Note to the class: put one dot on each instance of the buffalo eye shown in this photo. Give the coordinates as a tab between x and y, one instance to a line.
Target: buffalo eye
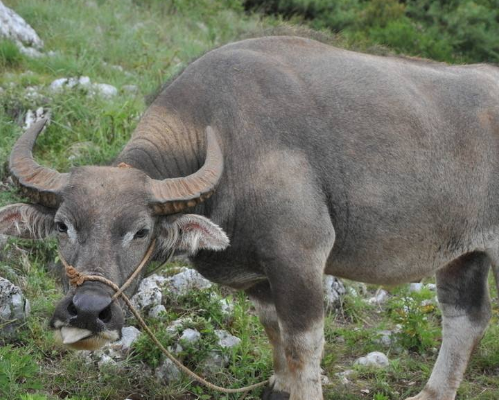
61	227
141	234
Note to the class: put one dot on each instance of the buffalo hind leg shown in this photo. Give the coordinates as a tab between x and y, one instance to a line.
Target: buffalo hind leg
464	300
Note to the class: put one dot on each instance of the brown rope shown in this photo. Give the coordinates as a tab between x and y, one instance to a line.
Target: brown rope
77	279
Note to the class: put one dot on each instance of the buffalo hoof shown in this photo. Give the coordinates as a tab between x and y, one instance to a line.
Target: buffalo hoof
270	394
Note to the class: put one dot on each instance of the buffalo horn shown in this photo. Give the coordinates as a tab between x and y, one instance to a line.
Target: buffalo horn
173	195
41	184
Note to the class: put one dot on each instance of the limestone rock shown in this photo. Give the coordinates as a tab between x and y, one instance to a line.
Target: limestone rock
226	340
190	336
156	311
380	297
34	116
214	362
15	28
374	359
103	89
334	290
148	295
187	280
14	307
167	371
415	287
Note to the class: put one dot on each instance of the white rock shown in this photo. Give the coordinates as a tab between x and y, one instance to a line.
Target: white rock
34	116
13	305
227	307
156	311
129	334
15	28
167	371
214	361
178	324
384	338
344	376
31	93
357	289
334	290
153	280
30	52
226	340
103	89
431	286
68	83
190	336
105	360
415	287
184	282
374	359
380	297
148	295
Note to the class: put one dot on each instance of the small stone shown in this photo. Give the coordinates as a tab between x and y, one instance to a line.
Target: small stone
178	324
384	338
380	297
68	83
431	286
344	376
156	311
374	359
32	93
153	280
215	361
105	360
148	295
129	335
190	336
14	307
226	340
168	371
182	283
104	90
227	307
415	287
334	290
34	116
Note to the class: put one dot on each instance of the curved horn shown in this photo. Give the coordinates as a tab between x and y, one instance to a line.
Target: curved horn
41	184
171	196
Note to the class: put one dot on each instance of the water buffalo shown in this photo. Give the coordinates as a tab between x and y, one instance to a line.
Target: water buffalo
318	160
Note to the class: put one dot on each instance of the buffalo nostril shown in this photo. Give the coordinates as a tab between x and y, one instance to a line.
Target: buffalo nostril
72	309
105	315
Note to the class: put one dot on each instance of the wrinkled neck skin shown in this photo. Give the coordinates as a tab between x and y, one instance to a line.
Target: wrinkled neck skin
163	146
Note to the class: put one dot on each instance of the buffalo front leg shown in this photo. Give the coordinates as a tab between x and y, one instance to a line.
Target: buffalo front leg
280	383
298	300
465	304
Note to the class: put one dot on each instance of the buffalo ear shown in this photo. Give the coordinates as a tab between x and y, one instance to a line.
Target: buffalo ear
190	232
26	221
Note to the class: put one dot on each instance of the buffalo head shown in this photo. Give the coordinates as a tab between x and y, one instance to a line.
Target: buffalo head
105	218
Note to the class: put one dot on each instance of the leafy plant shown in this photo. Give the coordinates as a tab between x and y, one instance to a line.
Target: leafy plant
18	372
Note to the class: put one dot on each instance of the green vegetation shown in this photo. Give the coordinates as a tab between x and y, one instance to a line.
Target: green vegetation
453	31
144	43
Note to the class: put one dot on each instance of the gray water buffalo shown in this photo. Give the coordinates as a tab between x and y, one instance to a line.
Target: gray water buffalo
318	161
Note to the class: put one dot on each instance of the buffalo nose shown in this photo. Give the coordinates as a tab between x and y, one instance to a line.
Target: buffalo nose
90	309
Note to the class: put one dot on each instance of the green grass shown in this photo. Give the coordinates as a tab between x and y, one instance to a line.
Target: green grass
144	43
